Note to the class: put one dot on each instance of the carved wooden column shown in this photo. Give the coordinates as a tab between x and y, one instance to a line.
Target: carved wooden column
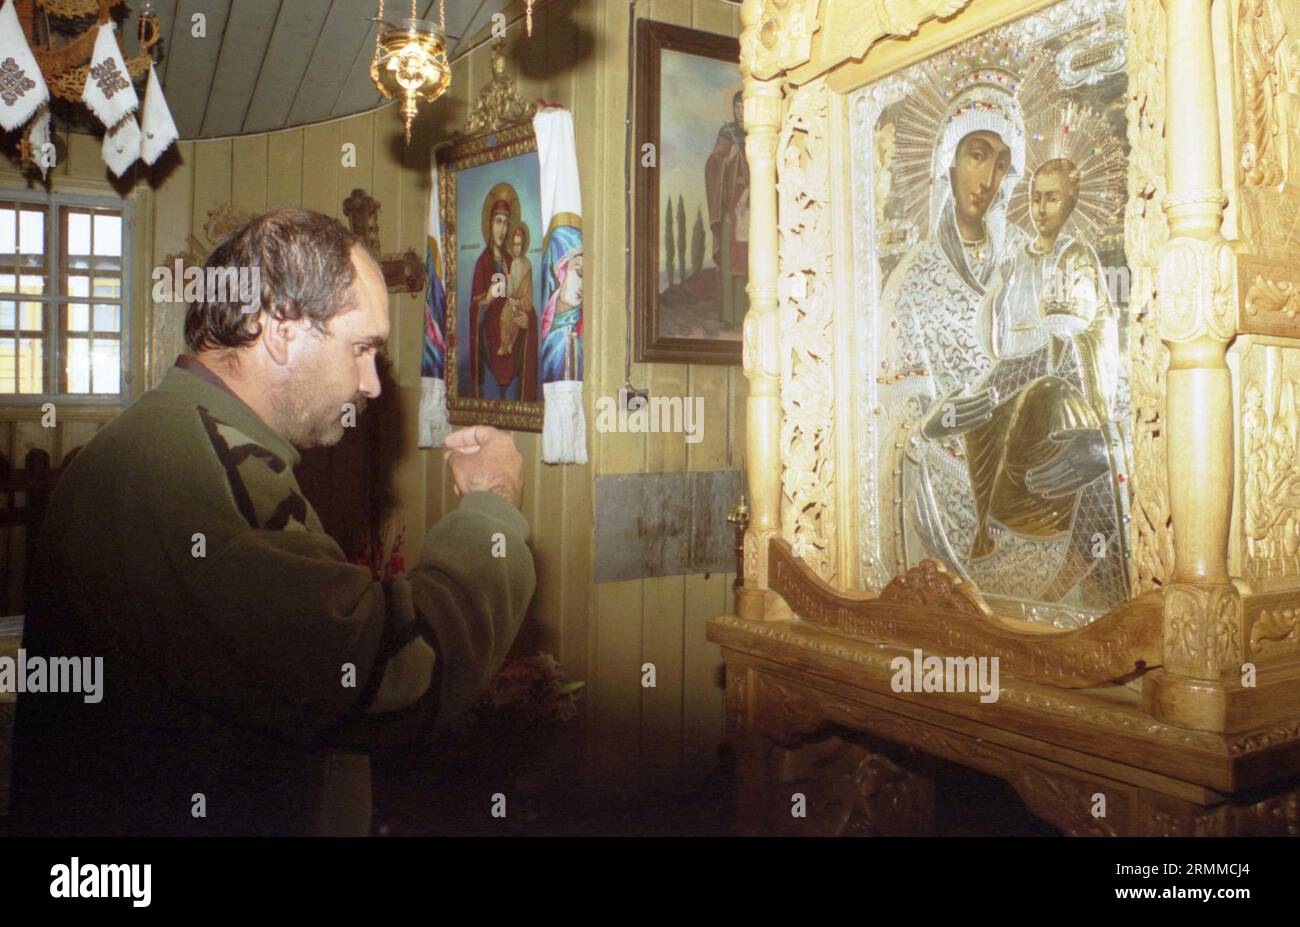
761	333
1203	638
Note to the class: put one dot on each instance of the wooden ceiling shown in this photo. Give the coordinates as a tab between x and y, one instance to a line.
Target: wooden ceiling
274	64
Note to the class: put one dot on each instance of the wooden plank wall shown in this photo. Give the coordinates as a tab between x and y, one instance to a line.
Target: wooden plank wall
638	739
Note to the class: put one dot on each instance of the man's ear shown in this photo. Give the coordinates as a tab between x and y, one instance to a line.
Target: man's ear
278	336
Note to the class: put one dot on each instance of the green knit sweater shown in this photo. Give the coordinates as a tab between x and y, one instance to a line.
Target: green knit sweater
247	665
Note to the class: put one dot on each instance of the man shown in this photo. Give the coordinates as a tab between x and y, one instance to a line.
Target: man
247	666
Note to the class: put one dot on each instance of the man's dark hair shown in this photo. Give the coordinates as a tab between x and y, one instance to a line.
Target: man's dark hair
304	266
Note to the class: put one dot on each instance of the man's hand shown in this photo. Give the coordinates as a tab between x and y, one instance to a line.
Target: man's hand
483	457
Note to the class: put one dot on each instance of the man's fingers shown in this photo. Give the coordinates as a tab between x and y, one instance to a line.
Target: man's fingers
461	437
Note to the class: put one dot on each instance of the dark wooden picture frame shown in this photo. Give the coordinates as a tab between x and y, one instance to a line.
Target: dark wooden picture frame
652	39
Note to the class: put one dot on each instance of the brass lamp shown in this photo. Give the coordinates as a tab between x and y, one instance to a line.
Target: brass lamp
411	61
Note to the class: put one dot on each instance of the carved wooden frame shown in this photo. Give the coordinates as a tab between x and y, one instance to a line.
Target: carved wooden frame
1192	625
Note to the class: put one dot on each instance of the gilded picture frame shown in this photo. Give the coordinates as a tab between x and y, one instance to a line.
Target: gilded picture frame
476	175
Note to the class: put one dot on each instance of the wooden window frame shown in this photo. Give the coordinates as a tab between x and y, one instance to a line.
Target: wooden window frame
57	299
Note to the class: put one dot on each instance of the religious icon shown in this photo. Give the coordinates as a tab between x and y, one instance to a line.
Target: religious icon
692	214
562	314
726	180
491	206
503	326
999	428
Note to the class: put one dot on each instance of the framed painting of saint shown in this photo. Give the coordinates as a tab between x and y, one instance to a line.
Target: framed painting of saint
491	216
692	197
994	314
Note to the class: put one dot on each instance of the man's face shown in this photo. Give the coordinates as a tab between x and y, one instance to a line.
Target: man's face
517	245
338	368
738	111
500	225
983	159
1051	200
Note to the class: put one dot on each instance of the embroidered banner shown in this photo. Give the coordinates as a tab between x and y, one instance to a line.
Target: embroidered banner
564	427
22	89
434	425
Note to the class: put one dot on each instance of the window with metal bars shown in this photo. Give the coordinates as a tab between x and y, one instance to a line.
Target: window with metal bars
64	306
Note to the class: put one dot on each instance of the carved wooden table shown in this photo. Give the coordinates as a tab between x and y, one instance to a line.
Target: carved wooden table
812	712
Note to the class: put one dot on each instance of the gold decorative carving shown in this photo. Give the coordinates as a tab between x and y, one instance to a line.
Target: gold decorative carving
1067	801
851	27
756	564
1058	710
1260	33
499	103
806	328
1271	478
1117	645
759	347
929	585
852	787
1186	821
1145	232
222	221
1279	624
1202	629
784	37
788	712
1268	124
1264	739
1196	282
1270	296
1272	626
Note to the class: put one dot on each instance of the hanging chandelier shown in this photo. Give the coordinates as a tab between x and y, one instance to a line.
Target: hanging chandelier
411	62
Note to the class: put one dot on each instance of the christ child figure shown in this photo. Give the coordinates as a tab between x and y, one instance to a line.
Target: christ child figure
519	284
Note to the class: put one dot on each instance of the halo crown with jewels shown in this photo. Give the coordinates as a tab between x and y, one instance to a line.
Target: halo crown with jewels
976	89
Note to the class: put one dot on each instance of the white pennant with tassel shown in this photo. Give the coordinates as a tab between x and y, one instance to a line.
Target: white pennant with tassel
155	121
109	93
122	146
22	88
564	425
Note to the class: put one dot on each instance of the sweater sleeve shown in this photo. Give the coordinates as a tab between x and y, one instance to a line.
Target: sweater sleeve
308	648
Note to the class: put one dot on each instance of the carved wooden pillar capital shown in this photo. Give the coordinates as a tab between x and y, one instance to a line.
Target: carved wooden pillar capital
1197	283
1203	634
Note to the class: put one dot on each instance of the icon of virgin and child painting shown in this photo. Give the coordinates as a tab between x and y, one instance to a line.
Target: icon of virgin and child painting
1000	420
503	347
